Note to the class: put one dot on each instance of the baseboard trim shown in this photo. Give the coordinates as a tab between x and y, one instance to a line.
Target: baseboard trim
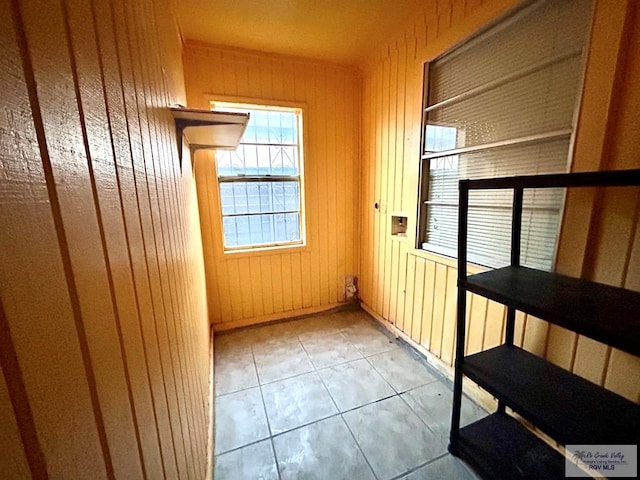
284	316
474	392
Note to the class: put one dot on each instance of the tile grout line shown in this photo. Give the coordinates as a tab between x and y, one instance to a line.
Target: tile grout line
279	434
375	475
343	331
344	421
397	393
379	373
415	469
266	415
315	367
416	413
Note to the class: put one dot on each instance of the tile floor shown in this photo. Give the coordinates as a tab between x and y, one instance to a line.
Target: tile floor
330	397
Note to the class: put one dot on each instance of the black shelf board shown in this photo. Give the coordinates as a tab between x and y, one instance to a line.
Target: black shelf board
608	314
604	178
499	447
566	407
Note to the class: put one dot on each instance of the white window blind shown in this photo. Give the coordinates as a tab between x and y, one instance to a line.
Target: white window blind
502	105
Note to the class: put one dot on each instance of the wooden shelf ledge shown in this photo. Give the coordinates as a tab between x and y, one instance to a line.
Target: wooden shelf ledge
208	129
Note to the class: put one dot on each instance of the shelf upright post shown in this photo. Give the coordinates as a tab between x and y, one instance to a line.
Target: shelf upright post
516	231
463	211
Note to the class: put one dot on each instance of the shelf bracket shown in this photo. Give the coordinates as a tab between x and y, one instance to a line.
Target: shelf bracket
208	129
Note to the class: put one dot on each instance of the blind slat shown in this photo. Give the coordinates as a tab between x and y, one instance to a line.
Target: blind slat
533	103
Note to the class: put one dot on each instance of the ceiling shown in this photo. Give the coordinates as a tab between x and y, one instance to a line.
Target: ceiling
334	30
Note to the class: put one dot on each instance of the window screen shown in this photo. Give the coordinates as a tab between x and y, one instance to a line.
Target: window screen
260	182
501	105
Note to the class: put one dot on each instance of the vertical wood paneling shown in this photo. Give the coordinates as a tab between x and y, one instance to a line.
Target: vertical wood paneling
450	307
296	280
265	269
101	130
393	288
259	286
521	322
213	298
102	272
133	186
322	94
418	299
439	298
402	288
476	321
86	270
36	302
387	194
367	179
427	307
494	325
131	173
535	336
13	462
277	288
155	246
287	284
383	162
376	159
331	174
255	279
246	292
409	314
604	248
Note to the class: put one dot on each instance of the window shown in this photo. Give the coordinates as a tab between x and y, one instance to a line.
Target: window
502	104
261	194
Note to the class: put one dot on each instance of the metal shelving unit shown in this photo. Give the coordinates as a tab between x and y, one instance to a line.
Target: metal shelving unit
568	408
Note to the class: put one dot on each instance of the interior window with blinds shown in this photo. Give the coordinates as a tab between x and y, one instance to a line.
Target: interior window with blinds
260	186
500	105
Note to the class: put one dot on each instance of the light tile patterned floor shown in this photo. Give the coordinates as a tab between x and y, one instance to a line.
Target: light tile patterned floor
330	397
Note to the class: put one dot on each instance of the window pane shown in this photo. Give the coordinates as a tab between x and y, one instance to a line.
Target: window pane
262	212
259	197
489	240
262	229
271	127
258	160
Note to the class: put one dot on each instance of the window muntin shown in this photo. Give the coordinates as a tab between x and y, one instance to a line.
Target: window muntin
260	183
502	105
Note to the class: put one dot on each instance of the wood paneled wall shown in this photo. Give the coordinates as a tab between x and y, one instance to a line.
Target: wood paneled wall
246	288
104	342
415	291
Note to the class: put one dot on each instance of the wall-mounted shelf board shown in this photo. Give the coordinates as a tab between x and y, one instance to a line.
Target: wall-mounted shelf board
208	129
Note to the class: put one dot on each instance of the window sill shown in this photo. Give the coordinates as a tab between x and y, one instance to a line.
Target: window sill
442	259
264	251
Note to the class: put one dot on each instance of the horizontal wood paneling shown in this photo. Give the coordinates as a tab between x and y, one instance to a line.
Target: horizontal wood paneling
421	302
104	324
259	286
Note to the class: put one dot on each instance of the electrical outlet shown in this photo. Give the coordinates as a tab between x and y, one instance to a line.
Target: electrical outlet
350	287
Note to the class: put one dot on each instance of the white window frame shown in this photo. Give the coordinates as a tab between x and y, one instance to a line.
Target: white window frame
222	105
